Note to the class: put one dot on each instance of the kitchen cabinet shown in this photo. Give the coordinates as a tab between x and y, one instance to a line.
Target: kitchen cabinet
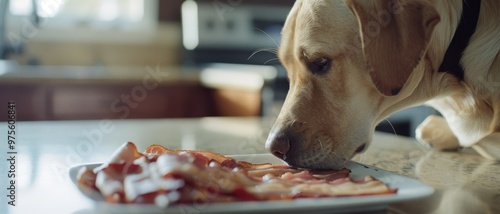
82	93
31	101
39	101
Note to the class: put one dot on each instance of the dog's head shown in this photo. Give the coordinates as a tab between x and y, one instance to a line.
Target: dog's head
349	64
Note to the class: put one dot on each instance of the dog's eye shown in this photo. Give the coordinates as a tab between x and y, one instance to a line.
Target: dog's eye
319	66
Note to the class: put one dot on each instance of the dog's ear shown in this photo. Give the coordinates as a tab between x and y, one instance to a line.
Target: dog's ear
394	35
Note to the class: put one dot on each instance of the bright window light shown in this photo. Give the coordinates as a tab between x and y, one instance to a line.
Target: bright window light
20	7
90	12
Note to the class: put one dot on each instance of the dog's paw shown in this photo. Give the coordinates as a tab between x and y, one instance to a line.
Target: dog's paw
435	132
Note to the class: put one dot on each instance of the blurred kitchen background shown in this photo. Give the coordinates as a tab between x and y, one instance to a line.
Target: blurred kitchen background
121	59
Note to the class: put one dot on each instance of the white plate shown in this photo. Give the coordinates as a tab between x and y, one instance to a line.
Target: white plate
407	189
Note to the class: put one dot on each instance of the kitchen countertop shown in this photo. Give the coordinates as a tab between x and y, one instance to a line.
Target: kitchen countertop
464	182
11	73
216	75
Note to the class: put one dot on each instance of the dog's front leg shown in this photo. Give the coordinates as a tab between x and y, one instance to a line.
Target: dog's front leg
489	146
436	132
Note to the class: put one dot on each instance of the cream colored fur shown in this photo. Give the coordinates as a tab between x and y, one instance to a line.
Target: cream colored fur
331	115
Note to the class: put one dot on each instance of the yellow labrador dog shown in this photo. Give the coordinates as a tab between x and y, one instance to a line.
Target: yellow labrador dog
352	63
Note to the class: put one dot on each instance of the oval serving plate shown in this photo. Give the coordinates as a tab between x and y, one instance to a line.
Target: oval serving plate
408	189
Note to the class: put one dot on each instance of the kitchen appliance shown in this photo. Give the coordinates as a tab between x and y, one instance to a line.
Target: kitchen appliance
230	33
236	33
237	39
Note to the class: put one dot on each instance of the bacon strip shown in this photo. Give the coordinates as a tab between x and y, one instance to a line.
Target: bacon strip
165	177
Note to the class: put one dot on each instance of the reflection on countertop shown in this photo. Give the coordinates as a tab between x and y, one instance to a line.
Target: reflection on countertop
464	181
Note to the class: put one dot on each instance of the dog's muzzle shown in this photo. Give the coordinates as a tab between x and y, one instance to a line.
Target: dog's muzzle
297	151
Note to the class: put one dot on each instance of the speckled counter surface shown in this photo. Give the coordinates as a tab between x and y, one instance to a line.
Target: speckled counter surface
464	182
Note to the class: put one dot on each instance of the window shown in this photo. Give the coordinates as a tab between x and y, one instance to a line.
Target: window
63	16
91	12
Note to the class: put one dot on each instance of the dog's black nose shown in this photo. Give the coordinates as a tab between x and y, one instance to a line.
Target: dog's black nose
361	148
280	147
278	144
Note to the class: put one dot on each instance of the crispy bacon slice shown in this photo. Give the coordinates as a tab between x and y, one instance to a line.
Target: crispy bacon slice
207	157
165	177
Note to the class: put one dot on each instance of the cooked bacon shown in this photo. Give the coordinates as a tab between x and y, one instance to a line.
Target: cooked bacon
166	177
127	152
86	180
158	150
207	157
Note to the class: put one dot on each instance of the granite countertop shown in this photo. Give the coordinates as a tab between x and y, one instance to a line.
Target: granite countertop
464	182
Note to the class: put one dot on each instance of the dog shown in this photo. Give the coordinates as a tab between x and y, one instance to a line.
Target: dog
352	63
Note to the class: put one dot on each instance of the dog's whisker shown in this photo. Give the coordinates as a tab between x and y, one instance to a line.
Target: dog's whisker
269	50
270	37
270	60
320	144
392	126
